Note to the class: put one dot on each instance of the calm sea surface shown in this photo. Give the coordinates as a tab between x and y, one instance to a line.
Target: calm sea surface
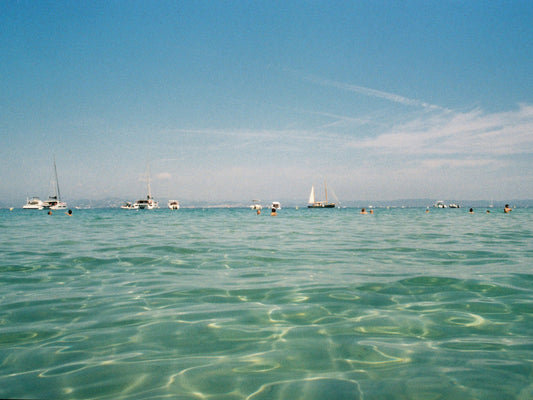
226	304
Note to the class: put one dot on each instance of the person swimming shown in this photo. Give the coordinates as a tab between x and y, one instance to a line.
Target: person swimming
363	211
507	209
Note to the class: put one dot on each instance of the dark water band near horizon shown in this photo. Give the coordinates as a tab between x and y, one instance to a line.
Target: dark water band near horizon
227	304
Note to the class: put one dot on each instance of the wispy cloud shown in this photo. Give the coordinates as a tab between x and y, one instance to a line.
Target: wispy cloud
442	131
339	120
473	133
164	176
237	138
396	98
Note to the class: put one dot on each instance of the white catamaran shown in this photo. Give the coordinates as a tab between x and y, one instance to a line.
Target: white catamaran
54	200
149	203
319	204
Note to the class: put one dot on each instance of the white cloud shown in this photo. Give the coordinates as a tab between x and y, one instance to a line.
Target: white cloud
473	133
445	163
440	131
164	176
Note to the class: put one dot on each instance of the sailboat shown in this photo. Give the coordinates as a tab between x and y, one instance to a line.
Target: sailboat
54	200
312	203
149	203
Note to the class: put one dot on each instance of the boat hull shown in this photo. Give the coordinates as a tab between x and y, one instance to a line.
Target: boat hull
55	205
321	206
147	205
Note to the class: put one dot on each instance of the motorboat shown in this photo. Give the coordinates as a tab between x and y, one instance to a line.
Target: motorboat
129	206
174	204
33	204
276	205
255	205
440	204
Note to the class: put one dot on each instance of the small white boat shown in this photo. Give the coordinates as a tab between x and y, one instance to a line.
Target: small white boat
33	204
129	206
440	204
255	205
174	204
454	205
54	201
276	205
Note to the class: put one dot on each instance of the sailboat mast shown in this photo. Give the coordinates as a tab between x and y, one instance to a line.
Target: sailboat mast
57	181
148	173
326	190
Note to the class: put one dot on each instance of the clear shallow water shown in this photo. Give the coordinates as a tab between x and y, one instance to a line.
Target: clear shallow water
225	304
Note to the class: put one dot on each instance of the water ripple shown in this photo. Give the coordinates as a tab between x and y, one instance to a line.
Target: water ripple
225	304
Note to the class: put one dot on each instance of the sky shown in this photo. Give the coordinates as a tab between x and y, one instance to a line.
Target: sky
233	101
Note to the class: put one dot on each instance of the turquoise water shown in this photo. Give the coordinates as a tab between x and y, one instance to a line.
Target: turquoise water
225	304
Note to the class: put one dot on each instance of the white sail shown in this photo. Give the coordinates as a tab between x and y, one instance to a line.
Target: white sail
312	195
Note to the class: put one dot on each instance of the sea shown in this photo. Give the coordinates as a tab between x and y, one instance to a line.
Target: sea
222	303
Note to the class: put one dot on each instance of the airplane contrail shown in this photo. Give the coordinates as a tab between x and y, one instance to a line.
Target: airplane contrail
372	93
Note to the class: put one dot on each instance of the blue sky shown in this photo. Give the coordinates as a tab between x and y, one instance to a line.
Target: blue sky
233	101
